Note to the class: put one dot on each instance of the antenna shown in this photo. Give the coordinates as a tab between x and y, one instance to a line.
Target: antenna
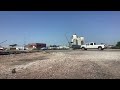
24	40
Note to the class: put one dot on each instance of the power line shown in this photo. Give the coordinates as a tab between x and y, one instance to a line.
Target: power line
3	41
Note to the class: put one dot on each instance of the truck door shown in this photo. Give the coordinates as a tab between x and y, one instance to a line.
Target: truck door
91	45
95	46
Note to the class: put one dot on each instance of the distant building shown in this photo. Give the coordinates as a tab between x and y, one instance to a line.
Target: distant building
77	40
32	46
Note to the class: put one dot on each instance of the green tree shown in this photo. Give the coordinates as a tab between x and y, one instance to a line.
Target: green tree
118	44
13	45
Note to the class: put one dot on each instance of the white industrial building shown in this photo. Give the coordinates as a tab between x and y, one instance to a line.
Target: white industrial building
77	40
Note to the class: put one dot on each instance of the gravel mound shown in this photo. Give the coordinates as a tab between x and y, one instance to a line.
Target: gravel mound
61	65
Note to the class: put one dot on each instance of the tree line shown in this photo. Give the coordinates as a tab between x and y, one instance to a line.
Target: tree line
117	46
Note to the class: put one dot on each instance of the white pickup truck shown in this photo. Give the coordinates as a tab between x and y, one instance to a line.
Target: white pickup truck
93	45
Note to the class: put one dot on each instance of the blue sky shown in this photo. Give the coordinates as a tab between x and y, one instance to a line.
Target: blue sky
51	26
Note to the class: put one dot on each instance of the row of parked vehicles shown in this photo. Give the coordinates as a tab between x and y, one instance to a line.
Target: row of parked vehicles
55	47
90	45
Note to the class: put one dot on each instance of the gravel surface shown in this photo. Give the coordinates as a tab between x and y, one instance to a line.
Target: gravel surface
67	64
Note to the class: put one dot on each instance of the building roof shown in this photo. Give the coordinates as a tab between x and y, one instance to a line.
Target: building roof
35	43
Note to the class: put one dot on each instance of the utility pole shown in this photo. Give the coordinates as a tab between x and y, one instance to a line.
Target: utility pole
68	41
24	42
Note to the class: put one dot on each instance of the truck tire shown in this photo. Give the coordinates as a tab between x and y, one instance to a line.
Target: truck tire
83	48
100	48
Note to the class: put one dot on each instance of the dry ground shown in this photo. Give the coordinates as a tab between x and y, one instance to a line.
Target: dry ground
68	64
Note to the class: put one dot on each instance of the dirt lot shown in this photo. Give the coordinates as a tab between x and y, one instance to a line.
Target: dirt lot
67	64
